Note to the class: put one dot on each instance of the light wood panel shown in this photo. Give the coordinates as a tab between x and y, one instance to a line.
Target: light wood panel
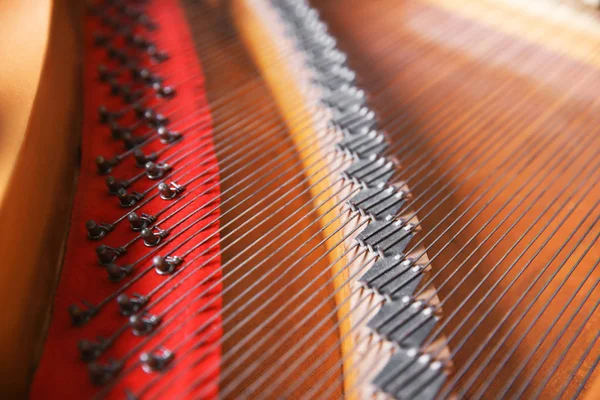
39	79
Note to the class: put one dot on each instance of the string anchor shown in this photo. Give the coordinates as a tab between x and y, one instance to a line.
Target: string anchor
105	74
166	265
166	136
141	159
131	305
114	185
138	41
170	191
143	325
139	222
80	316
107	254
97	231
159	56
130	141
152	239
156	170
90	350
100	39
140	110
145	21
154	119
104	166
149	78
101	374
129	96
106	116
166	92
117	131
127	199
156	361
116	273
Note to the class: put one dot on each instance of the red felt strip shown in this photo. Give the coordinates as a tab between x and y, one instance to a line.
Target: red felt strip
61	374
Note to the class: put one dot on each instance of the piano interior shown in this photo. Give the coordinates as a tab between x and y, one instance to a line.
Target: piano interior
300	199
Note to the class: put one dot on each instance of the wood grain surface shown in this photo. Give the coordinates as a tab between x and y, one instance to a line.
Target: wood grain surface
39	81
463	75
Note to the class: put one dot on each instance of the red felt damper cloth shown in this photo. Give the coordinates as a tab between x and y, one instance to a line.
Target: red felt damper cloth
187	302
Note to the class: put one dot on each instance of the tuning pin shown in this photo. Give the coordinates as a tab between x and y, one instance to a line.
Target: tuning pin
80	316
107	254
141	42
122	57
105	116
149	78
148	114
90	350
129	38
166	92
106	75
141	159
152	362
155	120
130	141
140	110
118	132
167	136
143	324
115	87
127	199
131	12
101	374
152	239
169	192
114	185
116	273
158	121
156	170
166	265
104	166
131	305
130	96
157	55
134	71
97	231
114	22
112	52
100	39
145	20
138	222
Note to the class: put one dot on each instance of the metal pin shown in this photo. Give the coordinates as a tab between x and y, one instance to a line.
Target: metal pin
80	316
143	324
104	166
167	136
107	254
141	159
101	374
169	192
116	273
139	222
156	170
127	199
131	305
91	350
153	362
166	265
114	185
97	231
152	239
